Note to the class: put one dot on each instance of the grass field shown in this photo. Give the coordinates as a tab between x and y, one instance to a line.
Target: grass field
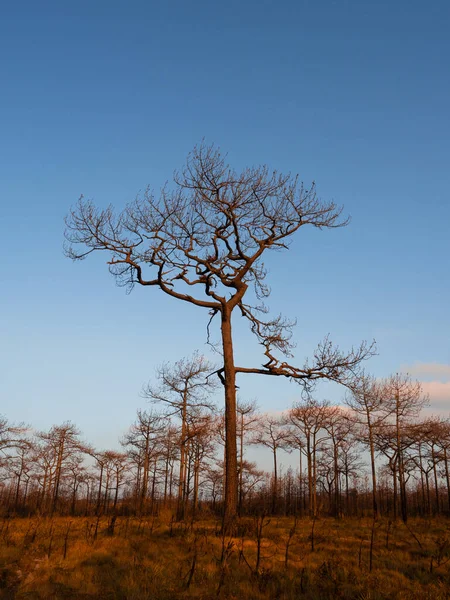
155	558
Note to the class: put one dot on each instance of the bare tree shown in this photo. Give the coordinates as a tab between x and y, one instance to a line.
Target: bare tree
247	421
11	436
366	401
273	434
200	436
338	425
20	464
403	399
143	441
63	442
115	465
309	418
185	389
203	243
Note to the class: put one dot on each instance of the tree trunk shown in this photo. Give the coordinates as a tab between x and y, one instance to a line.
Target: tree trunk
99	494
447	478
196	482
58	476
337	511
241	462
310	476
275	482
145	474
428	494
374	472
231	480
401	471
19	477
422	484
314	477
394	481
436	484
181	479
74	498
116	495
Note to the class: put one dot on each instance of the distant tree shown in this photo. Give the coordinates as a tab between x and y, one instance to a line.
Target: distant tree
76	475
247	422
366	402
170	444
200	446
116	464
350	464
403	399
143	442
185	390
444	443
338	425
272	433
308	418
20	464
209	235
11	436
62	442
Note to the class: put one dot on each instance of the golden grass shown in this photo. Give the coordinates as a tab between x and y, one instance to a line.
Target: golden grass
150	558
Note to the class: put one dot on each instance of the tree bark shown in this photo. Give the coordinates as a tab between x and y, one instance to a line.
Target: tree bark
275	482
231	479
373	467
181	479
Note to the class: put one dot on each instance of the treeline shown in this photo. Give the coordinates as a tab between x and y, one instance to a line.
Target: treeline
376	454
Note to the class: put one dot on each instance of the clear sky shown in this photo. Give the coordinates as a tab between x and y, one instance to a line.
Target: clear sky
105	98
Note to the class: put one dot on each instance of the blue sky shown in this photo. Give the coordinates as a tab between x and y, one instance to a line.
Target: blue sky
105	98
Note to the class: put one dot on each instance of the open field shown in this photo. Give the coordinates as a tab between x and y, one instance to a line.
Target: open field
160	559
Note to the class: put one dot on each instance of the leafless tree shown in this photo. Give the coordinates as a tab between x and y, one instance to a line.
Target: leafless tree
203	243
116	464
170	443
338	425
350	464
143	441
185	389
308	418
366	402
273	434
11	436
444	443
61	442
20	464
200	445
76	475
247	422
403	400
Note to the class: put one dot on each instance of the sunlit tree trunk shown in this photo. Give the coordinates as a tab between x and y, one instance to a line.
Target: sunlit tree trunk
231	481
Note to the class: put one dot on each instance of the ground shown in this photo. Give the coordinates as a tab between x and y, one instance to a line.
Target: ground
156	558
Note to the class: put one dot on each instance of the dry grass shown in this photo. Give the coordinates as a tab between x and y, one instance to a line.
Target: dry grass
152	558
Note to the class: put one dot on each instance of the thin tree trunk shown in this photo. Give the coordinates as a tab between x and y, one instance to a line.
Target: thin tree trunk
16	501
58	476
436	485
181	480
116	495
99	494
241	462
310	477
447	477
373	467
275	482
394	481
422	484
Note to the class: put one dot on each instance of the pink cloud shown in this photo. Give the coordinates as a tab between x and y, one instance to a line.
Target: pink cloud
439	393
435	371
